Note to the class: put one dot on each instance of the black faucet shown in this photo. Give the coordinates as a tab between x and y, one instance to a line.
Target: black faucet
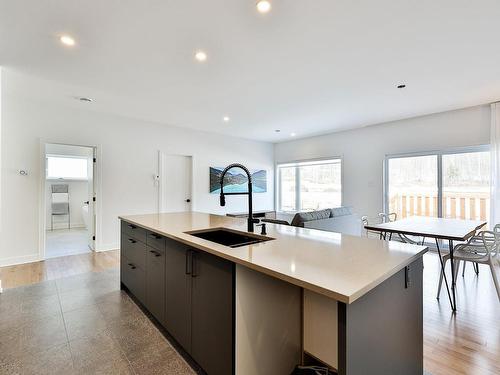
251	220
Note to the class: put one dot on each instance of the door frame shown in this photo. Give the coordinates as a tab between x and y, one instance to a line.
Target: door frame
42	198
158	178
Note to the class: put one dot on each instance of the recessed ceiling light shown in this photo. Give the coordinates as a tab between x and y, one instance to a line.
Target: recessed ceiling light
200	56
67	40
85	99
402	86
263	6
293	134
277	130
226	119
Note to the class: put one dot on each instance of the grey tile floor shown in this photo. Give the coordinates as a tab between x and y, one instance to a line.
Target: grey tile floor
81	325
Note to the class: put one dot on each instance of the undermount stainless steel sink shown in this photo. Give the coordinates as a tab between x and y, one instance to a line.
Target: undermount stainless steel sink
228	237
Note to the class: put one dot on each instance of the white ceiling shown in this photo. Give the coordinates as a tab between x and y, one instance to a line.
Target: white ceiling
307	67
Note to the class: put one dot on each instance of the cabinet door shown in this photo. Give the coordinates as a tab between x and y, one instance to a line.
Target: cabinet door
155	283
178	293
212	313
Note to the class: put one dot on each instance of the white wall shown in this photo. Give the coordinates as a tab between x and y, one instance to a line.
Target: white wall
128	155
363	150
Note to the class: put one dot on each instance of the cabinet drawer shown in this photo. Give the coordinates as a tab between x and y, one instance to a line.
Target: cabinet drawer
133	250
134	279
156	241
134	231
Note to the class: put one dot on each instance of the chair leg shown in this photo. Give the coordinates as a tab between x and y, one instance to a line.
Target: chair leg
457	266
495	278
440	284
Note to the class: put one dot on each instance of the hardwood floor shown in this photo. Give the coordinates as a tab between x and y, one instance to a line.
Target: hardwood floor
465	343
56	268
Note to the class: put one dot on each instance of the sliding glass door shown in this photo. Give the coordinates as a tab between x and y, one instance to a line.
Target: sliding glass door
413	186
466	185
450	184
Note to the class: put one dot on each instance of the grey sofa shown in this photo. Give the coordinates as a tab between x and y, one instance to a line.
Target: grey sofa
338	219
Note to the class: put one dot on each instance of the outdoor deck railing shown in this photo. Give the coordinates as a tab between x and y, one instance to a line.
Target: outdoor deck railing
471	206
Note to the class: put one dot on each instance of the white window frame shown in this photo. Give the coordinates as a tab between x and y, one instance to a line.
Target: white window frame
298	163
439	160
51	178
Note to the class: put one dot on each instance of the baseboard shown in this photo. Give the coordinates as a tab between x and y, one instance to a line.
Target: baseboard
62	226
13	261
106	247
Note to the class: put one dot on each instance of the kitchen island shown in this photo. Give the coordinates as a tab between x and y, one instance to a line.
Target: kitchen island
302	295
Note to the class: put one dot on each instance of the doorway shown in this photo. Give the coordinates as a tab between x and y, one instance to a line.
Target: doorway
69	192
175	182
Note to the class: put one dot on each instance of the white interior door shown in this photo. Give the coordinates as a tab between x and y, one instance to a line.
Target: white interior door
91	196
175	183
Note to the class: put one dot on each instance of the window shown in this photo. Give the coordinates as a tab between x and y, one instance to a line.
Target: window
449	184
66	167
311	185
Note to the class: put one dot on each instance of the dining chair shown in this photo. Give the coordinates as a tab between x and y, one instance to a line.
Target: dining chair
388	218
483	248
393	216
379	219
476	239
373	220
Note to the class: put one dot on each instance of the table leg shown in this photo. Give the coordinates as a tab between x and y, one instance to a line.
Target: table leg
444	273
454	307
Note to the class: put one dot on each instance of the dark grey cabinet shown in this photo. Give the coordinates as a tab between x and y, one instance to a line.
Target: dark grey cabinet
134	231
178	293
133	278
199	307
134	251
212	313
155	283
190	292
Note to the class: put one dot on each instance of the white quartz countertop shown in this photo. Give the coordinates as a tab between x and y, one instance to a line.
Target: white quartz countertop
336	265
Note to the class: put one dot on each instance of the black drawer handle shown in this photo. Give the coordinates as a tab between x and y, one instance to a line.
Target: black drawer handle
131	266
131	240
155	253
155	236
132	226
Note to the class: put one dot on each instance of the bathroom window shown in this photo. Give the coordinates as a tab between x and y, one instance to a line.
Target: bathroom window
67	168
310	185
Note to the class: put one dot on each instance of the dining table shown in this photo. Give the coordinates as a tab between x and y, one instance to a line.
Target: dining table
443	229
